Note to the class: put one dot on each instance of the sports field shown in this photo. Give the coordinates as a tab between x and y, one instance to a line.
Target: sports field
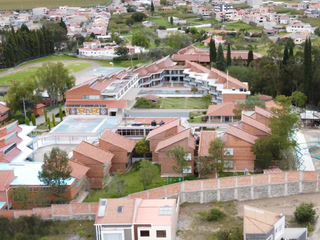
29	4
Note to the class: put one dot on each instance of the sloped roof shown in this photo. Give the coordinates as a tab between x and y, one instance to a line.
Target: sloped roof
263	112
94	152
254	123
204	144
258	220
223	109
271	104
164	127
3	108
118	140
79	170
176	138
5	176
237	132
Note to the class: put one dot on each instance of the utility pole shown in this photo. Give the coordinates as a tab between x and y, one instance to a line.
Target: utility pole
24	108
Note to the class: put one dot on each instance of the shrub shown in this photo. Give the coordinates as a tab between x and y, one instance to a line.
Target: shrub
215	215
231	234
136	166
33	119
27	121
305	213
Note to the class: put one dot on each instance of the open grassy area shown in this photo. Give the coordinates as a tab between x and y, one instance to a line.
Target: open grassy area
289	11
241	25
174	102
29	4
153	105
160	21
195	102
50	58
314	22
21	75
133	185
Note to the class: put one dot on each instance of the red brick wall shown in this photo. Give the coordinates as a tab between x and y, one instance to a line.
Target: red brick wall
161	136
252	130
262	118
233	97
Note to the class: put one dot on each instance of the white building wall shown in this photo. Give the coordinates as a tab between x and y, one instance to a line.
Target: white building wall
153	233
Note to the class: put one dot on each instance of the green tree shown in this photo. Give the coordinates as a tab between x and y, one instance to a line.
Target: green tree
285	56
56	172
250	57
291	52
60	113
142	146
53	120
307	68
138	16
147	173
63	25
248	105
129	22
178	154
194	89
122	51
193	30
220	62
152	8
171	21
178	40
45	114
207	99
305	213
216	153
21	196
33	119
49	123
298	99
229	61
27	121
140	40
213	51
119	183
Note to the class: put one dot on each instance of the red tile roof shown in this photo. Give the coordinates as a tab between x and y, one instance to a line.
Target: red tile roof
5	176
263	112
237	132
271	104
164	127
118	140
94	152
39	105
12	155
205	138
265	97
3	108
177	138
223	109
79	170
254	123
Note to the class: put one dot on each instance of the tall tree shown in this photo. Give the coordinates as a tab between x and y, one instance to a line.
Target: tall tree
285	56
307	68
142	146
147	173
56	172
248	105
229	60
63	25
152	7
171	21
216	152
250	57
119	183
291	52
213	51
178	154
220	62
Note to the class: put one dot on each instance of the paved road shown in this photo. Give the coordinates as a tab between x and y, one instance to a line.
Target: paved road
161	112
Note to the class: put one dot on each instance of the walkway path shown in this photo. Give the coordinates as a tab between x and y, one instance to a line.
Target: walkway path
40	120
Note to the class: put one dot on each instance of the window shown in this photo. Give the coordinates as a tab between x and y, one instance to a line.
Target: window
30	189
228	151
35	189
187	169
188	157
31	202
91	97
144	233
161	233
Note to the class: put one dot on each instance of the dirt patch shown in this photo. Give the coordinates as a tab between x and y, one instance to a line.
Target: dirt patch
192	225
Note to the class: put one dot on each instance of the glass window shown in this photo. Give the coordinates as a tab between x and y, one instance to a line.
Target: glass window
188	157
31	202
187	169
35	189
144	233
228	151
161	233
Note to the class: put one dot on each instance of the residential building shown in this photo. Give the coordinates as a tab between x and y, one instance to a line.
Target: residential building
4	112
223	7
254	3
265	225
230	15
166	33
40	11
148	24
99	162
298	38
199	10
217	40
121	147
26	175
300	28
222	113
136	219
38	109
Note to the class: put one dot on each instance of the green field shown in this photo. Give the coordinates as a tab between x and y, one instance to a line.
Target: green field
174	102
133	185
241	25
160	22
50	58
314	22
289	11
27	4
21	75
177	103
196	103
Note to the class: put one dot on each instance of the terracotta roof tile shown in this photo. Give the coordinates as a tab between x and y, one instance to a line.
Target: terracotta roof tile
237	132
223	109
3	108
40	105
205	138
118	140
177	138
79	170
164	127
254	123
5	177
271	104
94	152
263	112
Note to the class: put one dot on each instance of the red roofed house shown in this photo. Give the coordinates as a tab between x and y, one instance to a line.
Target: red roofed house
121	147
221	113
136	219
38	109
216	39
98	160
4	110
6	177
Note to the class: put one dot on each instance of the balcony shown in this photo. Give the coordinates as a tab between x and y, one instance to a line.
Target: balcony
213	92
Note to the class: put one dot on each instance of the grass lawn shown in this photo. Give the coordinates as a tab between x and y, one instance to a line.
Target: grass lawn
155	105
196	116
241	25
21	75
51	58
27	4
314	22
160	22
290	11
133	185
195	102
174	102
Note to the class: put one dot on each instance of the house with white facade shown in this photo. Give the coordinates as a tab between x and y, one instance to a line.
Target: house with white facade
177	21
300	27
136	219
199	10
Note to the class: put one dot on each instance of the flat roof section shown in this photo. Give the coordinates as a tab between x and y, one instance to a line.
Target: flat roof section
103	71
85	124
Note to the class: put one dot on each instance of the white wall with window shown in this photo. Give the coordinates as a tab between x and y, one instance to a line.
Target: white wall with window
154	233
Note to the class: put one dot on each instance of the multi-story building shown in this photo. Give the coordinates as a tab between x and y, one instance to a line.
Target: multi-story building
254	3
223	7
230	15
4	112
300	28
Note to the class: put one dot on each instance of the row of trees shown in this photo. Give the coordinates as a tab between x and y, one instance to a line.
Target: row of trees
23	45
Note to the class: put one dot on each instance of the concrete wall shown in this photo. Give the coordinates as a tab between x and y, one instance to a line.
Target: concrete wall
202	191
